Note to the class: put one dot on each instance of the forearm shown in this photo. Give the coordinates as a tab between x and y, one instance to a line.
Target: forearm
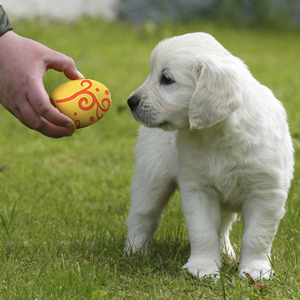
4	22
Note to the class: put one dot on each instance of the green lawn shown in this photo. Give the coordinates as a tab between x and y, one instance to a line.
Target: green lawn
64	203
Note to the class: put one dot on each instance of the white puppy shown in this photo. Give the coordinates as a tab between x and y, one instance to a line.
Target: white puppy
225	142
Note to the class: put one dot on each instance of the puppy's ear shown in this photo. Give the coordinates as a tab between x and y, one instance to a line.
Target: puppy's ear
217	95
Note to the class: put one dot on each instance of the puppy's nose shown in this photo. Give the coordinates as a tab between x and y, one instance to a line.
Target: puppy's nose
133	102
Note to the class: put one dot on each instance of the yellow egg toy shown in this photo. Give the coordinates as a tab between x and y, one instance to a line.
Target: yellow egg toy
85	101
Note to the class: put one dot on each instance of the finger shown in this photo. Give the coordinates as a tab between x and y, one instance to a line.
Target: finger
39	101
31	119
62	63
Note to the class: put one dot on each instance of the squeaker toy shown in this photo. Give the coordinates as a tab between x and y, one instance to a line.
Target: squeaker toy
85	101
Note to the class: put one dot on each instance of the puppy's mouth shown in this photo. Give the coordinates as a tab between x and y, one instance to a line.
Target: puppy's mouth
148	120
147	115
164	124
151	120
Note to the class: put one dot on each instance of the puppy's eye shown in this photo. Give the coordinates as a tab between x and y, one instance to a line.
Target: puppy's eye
165	79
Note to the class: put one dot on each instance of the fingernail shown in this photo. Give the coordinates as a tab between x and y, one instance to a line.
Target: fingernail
70	125
80	75
71	130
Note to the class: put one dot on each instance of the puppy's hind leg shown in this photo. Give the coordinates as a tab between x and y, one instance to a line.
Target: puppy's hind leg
152	186
227	218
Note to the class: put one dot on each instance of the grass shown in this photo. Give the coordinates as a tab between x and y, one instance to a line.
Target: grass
64	203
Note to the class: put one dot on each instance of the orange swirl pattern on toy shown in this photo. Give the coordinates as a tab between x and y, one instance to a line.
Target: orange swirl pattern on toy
83	102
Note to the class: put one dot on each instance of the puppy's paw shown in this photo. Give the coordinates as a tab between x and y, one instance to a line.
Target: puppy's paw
128	250
134	247
203	270
228	250
257	273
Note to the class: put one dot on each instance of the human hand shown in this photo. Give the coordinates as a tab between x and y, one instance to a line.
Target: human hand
23	64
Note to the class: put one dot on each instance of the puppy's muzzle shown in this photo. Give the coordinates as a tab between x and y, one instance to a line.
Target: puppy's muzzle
133	102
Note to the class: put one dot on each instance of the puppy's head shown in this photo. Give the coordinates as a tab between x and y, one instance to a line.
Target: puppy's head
193	82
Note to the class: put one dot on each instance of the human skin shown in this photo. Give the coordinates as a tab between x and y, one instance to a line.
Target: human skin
23	64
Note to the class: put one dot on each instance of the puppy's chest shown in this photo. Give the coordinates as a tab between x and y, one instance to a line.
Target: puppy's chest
213	168
212	164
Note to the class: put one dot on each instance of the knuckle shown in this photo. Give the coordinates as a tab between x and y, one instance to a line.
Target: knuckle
71	60
41	108
36	125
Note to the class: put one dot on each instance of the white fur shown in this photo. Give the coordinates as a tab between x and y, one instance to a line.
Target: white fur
225	143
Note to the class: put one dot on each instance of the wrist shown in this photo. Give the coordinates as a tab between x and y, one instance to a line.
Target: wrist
4	22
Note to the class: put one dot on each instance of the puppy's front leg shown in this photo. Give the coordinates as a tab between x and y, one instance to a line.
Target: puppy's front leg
202	215
153	184
261	217
149	197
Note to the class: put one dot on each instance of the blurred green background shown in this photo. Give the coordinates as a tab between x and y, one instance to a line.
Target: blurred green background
64	203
